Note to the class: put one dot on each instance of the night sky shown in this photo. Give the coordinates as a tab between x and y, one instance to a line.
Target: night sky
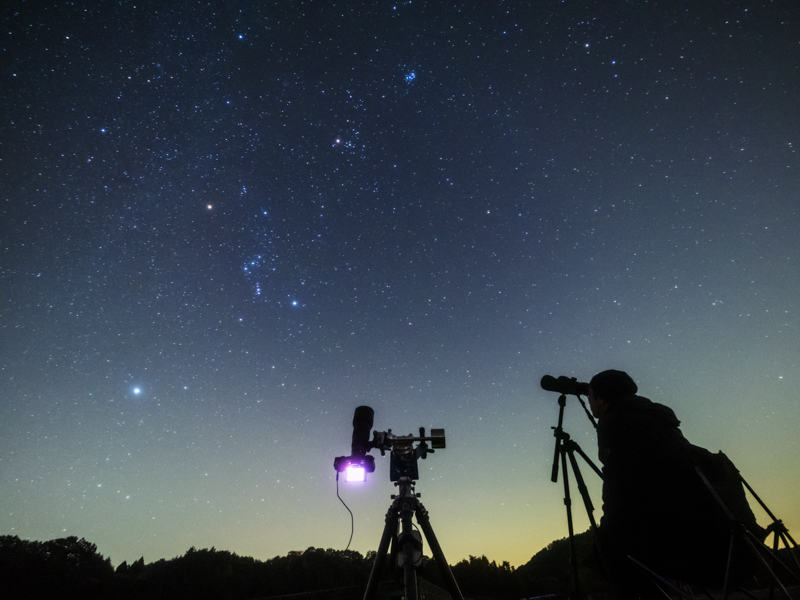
227	225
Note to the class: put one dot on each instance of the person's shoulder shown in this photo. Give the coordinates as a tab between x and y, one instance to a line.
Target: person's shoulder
647	408
657	411
632	403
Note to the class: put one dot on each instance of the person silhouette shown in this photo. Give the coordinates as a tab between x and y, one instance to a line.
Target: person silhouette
656	509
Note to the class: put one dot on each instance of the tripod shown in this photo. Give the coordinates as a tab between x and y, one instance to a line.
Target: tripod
407	546
776	527
566	449
742	535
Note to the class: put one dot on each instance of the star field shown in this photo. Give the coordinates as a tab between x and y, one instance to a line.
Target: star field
226	225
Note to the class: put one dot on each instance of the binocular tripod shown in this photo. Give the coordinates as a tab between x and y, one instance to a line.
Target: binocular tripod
565	450
407	544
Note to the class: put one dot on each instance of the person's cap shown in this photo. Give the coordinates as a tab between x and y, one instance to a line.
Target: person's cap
612	385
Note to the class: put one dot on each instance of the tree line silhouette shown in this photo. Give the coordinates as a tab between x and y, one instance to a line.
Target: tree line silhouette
71	568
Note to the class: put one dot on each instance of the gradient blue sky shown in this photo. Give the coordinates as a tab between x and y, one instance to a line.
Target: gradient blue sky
262	215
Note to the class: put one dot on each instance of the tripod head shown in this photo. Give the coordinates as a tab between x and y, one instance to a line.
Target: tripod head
403	457
403	453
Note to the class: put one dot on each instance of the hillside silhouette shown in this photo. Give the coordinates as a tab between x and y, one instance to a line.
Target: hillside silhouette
72	568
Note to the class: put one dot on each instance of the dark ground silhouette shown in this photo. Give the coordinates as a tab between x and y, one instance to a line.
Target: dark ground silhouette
71	568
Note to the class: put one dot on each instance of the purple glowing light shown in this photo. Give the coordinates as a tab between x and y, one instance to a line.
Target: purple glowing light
355	473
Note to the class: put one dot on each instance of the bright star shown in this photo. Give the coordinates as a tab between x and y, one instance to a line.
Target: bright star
137	391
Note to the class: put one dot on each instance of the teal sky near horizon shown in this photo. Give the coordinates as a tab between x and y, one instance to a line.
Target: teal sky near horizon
227	225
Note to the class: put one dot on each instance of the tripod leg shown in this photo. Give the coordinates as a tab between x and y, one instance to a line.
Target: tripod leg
772	565
587	502
776	521
726	587
663	581
425	524
739	531
584	491
409	568
765	563
568	504
389	531
791	549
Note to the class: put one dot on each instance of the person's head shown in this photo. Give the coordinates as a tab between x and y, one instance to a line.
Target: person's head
607	387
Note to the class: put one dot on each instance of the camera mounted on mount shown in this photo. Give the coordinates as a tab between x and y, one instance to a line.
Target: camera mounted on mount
403	457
